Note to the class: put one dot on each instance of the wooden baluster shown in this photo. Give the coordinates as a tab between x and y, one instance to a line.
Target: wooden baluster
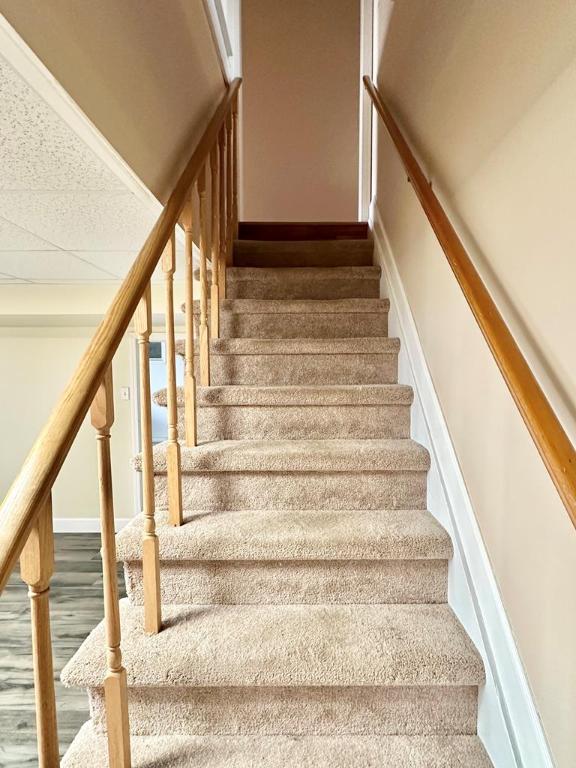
204	350
229	185
222	212
173	446
115	686
150	554
189	376
214	246
36	569
235	169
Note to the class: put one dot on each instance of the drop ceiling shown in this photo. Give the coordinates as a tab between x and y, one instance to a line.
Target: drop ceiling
65	216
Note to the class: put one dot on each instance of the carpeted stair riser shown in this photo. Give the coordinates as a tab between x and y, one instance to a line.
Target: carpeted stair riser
304	283
290	362
280	582
347	318
277	413
304	613
283	557
282	751
221	491
312	326
353	710
303	253
291	474
305	326
294	369
316	669
292	423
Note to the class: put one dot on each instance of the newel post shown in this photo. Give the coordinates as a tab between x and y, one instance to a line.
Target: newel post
36	569
150	551
115	685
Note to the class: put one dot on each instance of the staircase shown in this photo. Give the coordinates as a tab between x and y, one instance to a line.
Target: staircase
305	620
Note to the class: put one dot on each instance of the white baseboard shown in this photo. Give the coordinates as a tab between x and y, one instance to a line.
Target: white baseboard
508	722
84	524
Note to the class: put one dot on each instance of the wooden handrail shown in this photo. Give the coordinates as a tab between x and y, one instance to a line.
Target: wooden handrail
550	438
29	491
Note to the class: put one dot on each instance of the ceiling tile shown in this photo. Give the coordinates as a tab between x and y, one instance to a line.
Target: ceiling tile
116	262
13	238
50	267
81	221
38	150
9	280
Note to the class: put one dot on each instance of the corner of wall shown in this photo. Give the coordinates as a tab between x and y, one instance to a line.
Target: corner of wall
508	722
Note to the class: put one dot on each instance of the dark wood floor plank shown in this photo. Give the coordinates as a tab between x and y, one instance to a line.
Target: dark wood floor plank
76	606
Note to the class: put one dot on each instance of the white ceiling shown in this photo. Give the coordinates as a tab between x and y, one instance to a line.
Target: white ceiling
65	216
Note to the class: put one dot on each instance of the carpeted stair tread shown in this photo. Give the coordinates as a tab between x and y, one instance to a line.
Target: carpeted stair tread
304	600
281	275
286	318
295	535
302	282
372	455
286	645
300	306
90	748
368	345
265	361
303	253
296	395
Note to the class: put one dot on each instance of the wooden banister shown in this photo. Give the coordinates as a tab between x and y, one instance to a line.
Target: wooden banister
29	492
548	434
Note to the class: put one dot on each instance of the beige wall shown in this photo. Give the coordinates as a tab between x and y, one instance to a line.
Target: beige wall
301	68
486	92
44	330
37	363
145	73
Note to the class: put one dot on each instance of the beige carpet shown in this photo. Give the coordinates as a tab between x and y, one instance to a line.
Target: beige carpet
272	362
305	620
285	751
303	283
322	319
298	413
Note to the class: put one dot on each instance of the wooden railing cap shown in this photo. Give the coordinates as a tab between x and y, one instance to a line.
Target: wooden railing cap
550	439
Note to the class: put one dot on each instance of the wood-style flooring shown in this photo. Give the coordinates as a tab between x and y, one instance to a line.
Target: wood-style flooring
76	607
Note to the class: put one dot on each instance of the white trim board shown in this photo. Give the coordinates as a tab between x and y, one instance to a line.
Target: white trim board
84	524
224	28
365	110
508	722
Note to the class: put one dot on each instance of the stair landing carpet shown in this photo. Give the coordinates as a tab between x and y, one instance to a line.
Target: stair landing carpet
305	615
